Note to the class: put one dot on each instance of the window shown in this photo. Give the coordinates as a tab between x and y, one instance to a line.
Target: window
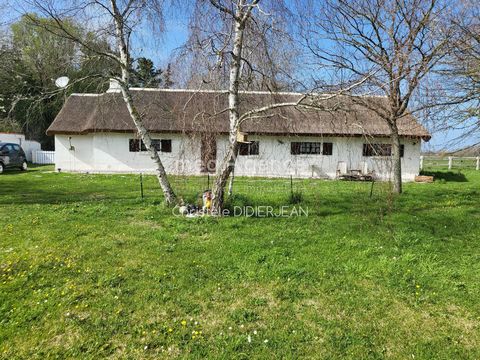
156	144
327	148
7	148
251	148
166	145
380	150
135	145
300	148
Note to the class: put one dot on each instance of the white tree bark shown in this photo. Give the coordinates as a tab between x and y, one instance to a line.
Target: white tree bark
228	162
127	97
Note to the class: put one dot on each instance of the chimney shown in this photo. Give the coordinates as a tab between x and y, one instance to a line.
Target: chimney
114	86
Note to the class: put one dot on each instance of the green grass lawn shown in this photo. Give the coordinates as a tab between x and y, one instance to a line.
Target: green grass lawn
90	270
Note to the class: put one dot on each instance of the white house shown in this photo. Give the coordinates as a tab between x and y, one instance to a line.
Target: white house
29	146
94	133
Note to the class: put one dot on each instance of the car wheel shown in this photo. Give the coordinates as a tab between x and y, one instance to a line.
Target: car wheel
24	166
1	168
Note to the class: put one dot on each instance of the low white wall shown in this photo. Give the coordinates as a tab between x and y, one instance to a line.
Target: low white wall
14	138
30	147
109	152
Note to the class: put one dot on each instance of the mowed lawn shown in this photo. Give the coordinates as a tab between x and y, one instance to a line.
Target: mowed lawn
90	270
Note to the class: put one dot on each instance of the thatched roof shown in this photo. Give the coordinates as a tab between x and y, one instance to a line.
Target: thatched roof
198	111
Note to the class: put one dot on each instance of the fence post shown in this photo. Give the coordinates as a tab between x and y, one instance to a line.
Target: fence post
291	186
421	162
478	163
450	161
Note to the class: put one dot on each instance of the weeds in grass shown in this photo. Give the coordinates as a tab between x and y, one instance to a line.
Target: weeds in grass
295	197
89	270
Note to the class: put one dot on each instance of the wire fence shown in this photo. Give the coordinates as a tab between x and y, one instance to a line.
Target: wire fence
190	189
76	188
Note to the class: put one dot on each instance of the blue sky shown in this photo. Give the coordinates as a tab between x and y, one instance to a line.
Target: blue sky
160	50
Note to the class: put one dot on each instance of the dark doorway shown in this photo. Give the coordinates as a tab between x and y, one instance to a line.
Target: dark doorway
209	153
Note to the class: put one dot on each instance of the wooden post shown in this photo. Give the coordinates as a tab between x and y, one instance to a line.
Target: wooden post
478	163
291	186
450	161
421	162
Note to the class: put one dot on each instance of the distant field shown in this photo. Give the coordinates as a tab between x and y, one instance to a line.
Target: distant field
458	163
90	270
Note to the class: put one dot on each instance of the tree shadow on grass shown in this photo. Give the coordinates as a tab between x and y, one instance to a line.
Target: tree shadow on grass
446	176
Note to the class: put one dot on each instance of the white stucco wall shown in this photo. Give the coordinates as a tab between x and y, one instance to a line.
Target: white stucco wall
274	158
109	152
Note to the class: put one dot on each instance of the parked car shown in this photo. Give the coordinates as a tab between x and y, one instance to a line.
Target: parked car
12	156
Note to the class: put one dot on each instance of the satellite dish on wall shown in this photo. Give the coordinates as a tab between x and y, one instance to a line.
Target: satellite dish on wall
62	82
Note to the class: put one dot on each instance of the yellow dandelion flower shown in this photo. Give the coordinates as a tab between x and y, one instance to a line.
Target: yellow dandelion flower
170	329
184	322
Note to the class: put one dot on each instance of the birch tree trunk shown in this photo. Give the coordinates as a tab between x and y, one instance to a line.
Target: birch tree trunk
136	117
228	162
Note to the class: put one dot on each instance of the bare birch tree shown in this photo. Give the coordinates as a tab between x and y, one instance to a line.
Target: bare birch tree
235	28
246	41
121	19
240	12
401	42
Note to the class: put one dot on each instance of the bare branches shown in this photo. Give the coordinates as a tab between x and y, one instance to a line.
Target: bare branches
222	8
404	41
316	104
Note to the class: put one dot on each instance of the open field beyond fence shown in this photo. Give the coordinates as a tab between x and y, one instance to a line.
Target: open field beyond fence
89	269
450	162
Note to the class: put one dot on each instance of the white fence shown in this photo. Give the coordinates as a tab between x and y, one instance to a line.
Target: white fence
43	157
450	162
